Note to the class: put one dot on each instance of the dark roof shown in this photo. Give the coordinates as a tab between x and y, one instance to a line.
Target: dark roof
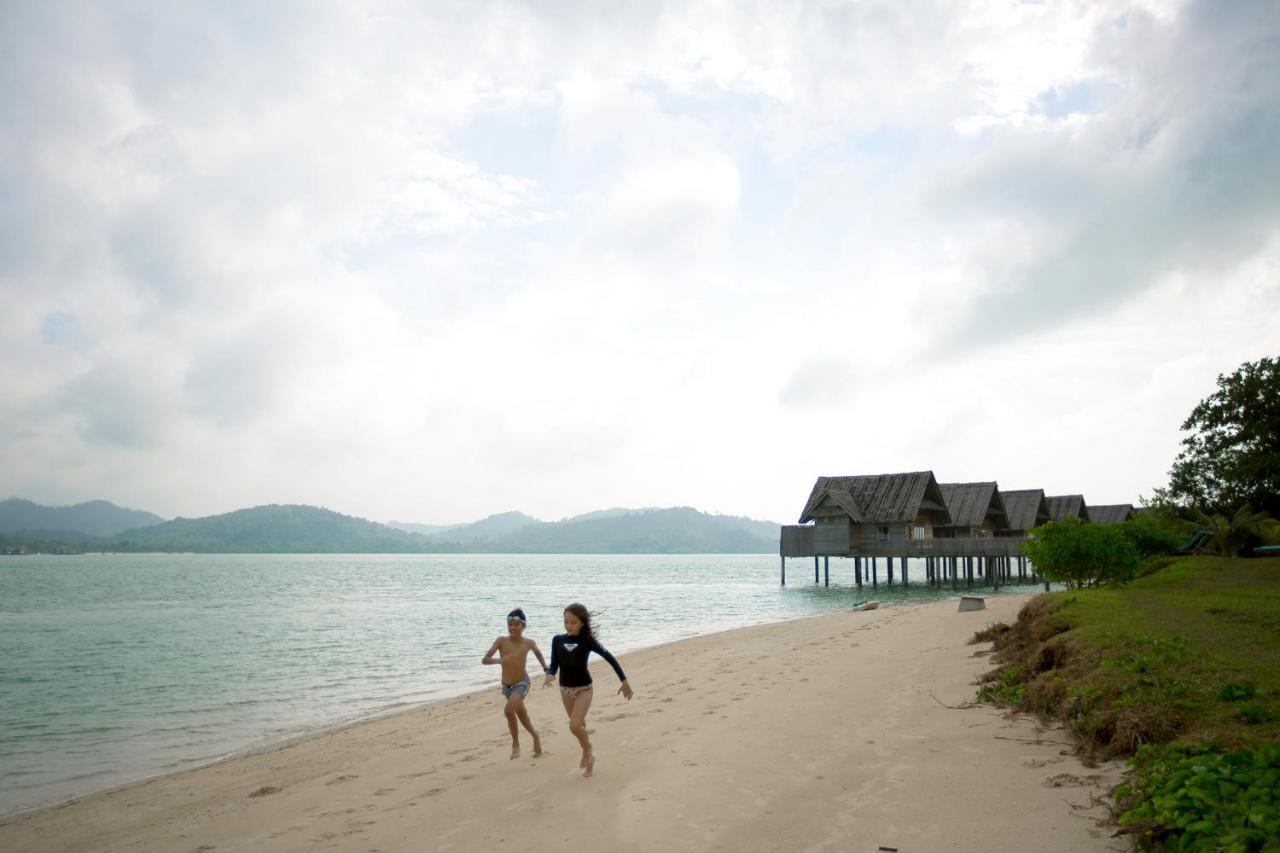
1064	506
970	503
1110	513
1025	508
878	498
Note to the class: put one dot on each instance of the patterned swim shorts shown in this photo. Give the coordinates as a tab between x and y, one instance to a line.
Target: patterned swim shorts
572	692
520	688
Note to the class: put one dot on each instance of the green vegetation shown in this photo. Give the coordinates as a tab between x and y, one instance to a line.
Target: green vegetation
1192	798
1232	455
1231	535
272	529
1078	554
305	529
1179	669
1157	530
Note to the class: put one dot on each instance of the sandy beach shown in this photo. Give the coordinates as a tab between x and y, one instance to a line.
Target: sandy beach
850	731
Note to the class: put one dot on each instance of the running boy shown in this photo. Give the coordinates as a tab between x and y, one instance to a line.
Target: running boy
513	650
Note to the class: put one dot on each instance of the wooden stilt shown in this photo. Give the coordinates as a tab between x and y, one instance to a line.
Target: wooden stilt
826	571
888	562
784	570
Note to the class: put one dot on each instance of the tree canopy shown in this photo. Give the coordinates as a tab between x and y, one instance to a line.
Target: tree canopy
1231	456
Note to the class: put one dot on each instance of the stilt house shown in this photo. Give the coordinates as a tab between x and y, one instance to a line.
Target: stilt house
1024	509
976	511
869	512
1110	513
1068	506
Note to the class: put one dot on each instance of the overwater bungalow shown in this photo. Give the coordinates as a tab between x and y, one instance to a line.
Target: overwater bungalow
976	511
1068	506
1025	509
1111	513
873	513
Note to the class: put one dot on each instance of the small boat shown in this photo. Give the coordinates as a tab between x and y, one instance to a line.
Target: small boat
866	605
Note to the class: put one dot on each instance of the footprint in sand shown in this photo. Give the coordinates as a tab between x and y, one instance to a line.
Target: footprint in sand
1041	762
382	792
264	791
339	779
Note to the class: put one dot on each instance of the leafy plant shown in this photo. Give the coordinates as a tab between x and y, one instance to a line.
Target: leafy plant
1077	554
1231	534
1193	798
1237	691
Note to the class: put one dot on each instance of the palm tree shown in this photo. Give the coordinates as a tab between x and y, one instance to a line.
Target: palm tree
1230	535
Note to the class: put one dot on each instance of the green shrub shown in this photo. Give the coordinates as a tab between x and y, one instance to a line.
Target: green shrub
1078	554
1192	798
1156	532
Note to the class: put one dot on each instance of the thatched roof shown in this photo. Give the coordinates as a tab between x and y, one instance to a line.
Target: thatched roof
969	504
1026	508
1110	513
878	498
1067	506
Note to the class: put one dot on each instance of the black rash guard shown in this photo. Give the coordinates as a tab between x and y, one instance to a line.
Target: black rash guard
569	656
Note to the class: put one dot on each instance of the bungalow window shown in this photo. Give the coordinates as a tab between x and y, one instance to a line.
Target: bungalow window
918	531
883	532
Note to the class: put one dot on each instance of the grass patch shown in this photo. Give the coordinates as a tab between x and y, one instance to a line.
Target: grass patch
1184	658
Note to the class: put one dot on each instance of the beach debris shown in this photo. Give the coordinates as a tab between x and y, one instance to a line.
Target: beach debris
865	605
264	790
888	849
972	602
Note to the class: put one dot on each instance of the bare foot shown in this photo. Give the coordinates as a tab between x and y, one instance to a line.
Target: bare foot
515	751
590	764
583	762
537	745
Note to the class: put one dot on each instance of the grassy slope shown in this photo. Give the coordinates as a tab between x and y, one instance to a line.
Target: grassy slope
1148	662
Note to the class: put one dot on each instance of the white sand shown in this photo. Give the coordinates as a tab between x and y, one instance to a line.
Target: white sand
827	733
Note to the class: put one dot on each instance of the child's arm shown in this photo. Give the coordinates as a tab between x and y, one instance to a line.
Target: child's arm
555	665
488	656
537	653
625	688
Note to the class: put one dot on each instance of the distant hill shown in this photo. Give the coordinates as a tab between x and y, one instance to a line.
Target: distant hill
284	529
424	529
675	530
491	529
94	519
308	529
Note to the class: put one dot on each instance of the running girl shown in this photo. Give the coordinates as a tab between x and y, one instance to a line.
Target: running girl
513	650
569	653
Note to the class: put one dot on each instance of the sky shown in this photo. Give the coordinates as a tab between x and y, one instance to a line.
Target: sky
430	261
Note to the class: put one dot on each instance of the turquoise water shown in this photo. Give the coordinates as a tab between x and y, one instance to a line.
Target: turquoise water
118	667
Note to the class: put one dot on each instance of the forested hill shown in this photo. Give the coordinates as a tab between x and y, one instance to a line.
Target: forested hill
281	529
84	520
675	530
307	529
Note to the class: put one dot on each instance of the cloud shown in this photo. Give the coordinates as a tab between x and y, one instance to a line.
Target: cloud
380	256
1179	174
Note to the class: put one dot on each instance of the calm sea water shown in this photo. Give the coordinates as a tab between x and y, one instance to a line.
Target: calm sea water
118	667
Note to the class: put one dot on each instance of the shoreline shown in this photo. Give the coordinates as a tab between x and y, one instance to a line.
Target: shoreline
301	774
269	743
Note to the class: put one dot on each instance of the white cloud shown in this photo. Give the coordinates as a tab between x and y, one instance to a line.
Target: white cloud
379	257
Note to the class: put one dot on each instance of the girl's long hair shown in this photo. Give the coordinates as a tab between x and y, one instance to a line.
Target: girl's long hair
584	616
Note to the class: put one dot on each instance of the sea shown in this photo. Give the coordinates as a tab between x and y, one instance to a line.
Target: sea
120	667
